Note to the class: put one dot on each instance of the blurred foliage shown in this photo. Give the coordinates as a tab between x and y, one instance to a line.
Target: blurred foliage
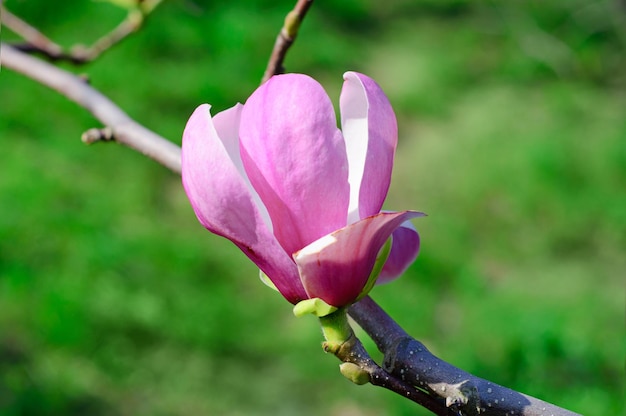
114	301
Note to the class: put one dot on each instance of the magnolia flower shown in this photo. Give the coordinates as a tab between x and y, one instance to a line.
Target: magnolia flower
298	196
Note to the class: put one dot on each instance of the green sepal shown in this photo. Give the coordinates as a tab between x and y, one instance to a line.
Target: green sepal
315	306
265	279
382	257
336	330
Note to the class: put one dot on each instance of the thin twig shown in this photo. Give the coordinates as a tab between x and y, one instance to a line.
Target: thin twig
124	129
29	33
285	39
37	42
133	22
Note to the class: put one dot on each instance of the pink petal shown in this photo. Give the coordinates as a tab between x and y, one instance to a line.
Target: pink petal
295	158
371	133
222	201
336	267
404	249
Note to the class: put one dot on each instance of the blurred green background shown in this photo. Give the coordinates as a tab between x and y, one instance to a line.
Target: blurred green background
512	119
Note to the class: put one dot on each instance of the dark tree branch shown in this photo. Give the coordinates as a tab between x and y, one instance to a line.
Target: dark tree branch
285	39
122	128
353	352
410	360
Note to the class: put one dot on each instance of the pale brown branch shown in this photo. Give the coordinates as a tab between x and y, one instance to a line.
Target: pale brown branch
29	33
133	22
285	39
124	129
37	42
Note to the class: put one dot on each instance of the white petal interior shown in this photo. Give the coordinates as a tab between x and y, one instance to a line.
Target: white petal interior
354	125
231	145
316	246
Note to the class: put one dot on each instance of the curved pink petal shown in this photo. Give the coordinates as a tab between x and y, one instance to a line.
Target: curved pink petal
404	249
371	132
295	158
222	201
336	267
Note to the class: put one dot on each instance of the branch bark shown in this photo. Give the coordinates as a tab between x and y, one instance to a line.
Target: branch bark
122	128
285	39
353	352
467	394
37	42
30	34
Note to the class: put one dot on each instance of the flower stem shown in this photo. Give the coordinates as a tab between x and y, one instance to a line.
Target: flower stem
336	329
